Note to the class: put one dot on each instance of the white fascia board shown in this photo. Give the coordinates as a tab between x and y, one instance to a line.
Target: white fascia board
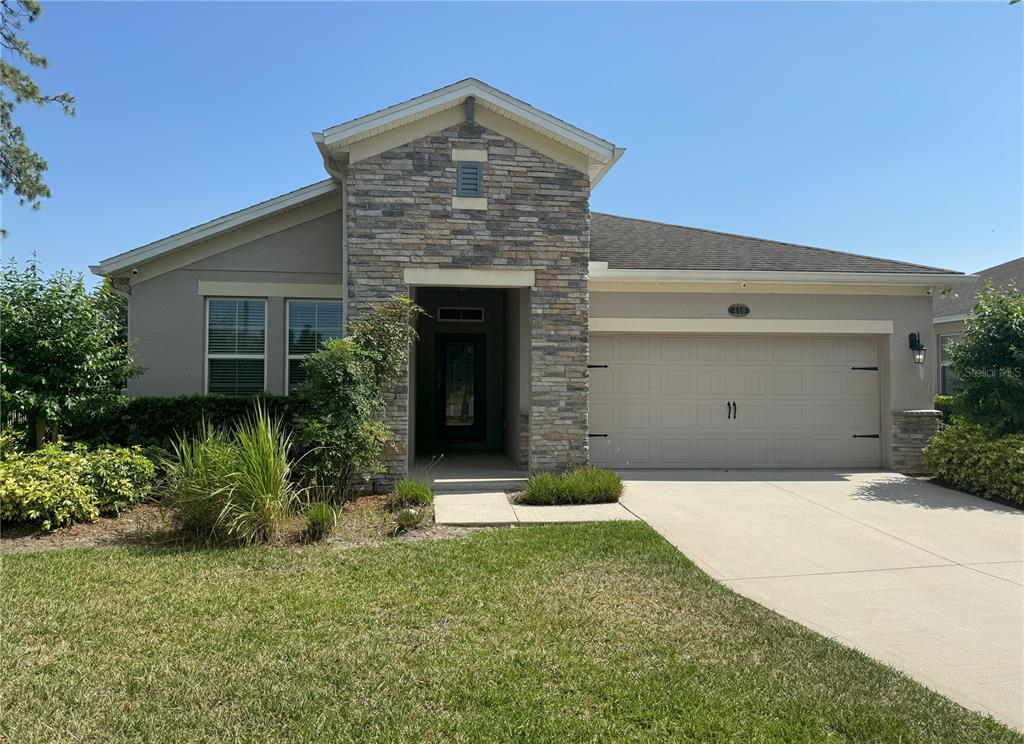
455	94
215	227
949	318
824	277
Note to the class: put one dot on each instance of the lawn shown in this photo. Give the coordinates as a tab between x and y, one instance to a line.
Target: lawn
562	633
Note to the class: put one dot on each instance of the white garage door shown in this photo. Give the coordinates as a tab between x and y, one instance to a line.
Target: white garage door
670	401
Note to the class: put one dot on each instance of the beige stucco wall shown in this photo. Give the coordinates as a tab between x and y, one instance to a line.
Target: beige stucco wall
167	315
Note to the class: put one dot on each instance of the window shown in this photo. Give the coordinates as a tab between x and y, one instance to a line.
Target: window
236	333
310	323
470	178
948	381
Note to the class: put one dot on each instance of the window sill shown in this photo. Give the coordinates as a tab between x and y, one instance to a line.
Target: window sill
469	202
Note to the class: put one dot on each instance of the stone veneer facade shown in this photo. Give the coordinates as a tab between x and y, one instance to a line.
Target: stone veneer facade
400	215
911	431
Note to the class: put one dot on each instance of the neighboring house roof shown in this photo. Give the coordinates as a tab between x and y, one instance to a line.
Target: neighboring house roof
958	306
628	243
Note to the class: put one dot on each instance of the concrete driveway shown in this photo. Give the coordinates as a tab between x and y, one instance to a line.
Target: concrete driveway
928	580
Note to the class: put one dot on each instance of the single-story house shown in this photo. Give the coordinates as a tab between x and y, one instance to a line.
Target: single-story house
554	335
951	308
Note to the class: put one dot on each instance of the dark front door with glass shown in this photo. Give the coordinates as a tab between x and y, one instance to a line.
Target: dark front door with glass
459	386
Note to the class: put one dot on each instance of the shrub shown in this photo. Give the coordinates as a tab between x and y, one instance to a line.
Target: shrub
56	485
65	350
947	404
46	487
584	485
975	460
160	422
410	492
344	394
408	519
989	361
320	520
118	476
233	486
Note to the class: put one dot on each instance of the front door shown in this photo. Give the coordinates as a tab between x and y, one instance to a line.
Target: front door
459	383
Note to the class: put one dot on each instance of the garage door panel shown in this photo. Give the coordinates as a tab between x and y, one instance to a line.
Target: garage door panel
663	401
677	416
676	452
635	416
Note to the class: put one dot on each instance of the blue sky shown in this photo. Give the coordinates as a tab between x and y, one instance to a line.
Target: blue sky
885	129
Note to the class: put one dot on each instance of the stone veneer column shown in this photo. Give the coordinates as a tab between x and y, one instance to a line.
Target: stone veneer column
400	214
911	431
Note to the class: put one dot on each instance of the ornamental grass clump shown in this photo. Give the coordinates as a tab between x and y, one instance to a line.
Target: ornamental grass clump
233	486
320	521
584	485
408	492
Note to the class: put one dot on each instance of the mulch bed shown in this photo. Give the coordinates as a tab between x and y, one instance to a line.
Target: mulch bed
362	521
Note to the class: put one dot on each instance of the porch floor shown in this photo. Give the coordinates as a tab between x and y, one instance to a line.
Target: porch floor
470	472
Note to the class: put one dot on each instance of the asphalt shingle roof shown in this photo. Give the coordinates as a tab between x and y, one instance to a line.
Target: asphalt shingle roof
1000	276
628	243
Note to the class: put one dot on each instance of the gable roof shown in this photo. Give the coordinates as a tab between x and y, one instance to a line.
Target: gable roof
956	307
232	221
335	142
629	243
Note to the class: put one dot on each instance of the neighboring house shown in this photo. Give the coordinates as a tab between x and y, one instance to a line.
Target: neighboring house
952	308
554	335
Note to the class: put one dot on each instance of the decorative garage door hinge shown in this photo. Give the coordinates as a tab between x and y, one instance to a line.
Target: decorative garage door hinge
597	366
865	436
869	369
597	435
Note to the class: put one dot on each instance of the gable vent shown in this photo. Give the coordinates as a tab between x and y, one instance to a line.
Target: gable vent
470	179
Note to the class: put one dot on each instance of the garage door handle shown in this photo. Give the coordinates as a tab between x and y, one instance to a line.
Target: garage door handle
728	410
735	408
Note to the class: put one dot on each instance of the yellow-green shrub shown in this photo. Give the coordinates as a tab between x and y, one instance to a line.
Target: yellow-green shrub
56	485
47	487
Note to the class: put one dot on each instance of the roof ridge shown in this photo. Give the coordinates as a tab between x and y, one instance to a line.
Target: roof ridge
779	242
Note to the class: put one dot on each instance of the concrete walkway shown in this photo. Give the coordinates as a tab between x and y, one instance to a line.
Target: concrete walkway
494	509
928	580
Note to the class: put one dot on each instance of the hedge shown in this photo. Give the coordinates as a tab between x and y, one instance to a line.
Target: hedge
971	458
157	422
948	405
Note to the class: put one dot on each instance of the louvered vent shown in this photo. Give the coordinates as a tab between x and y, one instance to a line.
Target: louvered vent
470	179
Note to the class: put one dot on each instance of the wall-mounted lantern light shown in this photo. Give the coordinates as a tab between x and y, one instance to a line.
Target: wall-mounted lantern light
917	348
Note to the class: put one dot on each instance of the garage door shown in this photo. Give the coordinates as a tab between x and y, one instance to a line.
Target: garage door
669	401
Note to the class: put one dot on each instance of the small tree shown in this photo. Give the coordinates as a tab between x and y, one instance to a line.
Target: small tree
989	360
345	392
62	352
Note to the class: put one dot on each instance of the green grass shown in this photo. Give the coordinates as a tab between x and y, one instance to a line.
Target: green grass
548	634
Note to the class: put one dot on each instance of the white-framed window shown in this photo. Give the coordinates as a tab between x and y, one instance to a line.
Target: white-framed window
236	345
310	323
948	381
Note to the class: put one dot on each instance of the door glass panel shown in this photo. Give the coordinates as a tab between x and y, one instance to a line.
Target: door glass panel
460	366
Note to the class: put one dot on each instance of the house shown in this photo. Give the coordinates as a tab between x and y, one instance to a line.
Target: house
555	335
951	309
